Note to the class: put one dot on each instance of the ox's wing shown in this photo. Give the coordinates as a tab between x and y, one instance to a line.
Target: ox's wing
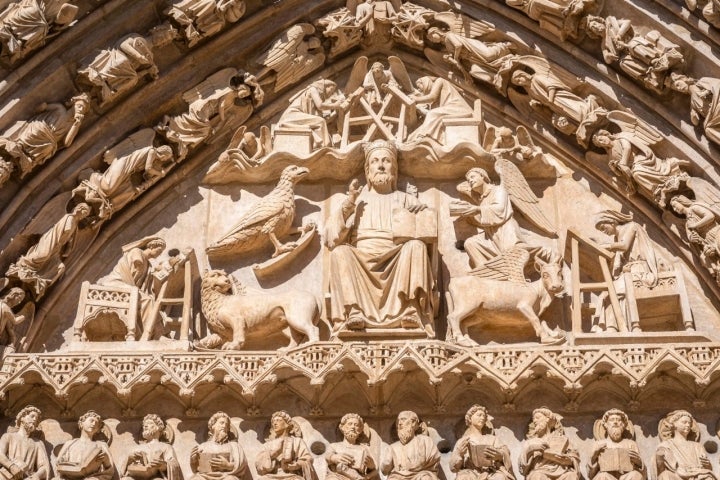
508	266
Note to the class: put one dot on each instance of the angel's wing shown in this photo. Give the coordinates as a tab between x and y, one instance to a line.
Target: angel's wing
489	138
397	67
285	47
629	122
540	66
140	139
705	192
265	209
298	68
357	75
210	85
28	310
436	58
265	139
352	5
521	196
523	136
508	266
237	137
464	25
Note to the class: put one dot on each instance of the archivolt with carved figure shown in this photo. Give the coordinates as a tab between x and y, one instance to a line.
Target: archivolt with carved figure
313	217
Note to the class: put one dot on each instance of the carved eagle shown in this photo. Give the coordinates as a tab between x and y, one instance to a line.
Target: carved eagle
271	217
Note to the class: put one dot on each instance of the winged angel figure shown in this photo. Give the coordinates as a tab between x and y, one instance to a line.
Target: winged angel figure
500	250
552	92
464	49
209	104
378	98
631	157
133	165
702	221
294	54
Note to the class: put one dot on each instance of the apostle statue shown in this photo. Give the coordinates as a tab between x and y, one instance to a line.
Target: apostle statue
284	455
478	454
155	459
393	282
219	458
681	456
23	457
85	458
547	453
351	459
414	456
615	455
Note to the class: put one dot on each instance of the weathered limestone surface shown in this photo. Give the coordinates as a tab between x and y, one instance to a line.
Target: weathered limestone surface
357	240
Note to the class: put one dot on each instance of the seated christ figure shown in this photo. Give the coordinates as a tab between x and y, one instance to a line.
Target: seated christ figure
378	279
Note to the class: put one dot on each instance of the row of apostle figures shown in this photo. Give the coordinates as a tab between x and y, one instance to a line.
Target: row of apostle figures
546	454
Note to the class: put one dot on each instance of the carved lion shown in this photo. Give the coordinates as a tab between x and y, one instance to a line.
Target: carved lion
232	317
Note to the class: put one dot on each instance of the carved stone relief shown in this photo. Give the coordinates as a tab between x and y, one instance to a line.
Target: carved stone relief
27	24
119	69
30	143
231	452
386	205
199	19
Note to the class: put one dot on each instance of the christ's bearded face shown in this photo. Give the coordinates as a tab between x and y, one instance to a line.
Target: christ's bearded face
381	168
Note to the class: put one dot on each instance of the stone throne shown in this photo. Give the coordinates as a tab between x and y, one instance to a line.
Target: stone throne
112	313
663	307
106	314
